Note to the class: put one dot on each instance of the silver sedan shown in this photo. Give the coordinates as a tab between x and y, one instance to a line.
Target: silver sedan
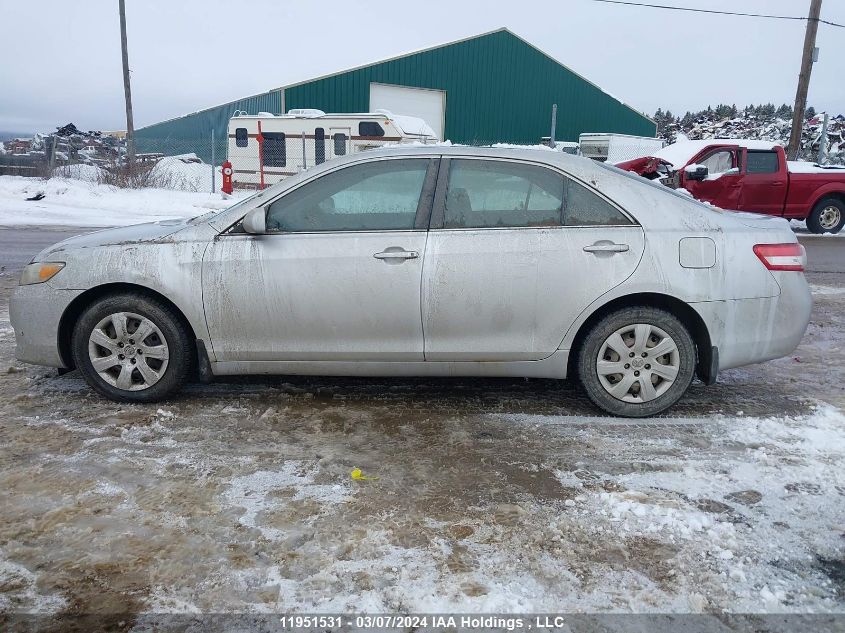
429	261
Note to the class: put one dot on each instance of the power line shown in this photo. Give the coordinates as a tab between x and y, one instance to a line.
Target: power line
714	11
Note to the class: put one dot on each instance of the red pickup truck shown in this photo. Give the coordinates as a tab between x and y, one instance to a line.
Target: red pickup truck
750	175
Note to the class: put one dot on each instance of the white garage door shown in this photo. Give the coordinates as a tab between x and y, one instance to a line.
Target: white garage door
429	105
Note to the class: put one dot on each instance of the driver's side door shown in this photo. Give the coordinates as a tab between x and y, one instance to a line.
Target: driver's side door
723	183
337	276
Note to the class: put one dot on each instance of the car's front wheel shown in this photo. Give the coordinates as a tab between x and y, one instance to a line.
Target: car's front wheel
131	348
637	362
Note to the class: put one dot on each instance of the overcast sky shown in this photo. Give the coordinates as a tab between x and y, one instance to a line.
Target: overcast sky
61	60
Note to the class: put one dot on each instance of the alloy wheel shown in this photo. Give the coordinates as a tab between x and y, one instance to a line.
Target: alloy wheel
128	351
638	363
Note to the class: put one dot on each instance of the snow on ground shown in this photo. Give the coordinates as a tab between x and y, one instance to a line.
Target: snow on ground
185	172
69	202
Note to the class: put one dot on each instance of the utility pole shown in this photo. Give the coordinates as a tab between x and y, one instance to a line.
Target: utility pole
127	91
803	79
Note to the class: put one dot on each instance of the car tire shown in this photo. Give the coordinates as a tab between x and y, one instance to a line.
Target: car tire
828	216
626	392
121	366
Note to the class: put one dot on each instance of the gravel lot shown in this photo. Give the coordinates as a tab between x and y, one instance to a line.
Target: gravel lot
491	495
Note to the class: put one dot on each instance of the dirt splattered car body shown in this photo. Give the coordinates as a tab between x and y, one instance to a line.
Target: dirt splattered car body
436	298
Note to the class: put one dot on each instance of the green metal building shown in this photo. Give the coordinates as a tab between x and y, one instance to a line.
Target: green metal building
491	88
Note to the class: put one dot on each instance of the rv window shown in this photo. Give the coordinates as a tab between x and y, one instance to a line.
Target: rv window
340	144
241	137
370	128
275	154
319	146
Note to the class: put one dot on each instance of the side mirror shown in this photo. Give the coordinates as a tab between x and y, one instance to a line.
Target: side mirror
255	221
696	172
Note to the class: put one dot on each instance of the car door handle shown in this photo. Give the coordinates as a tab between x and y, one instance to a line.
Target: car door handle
607	247
396	255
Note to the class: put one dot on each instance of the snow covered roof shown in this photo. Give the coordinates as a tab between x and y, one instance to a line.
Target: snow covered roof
411	125
679	154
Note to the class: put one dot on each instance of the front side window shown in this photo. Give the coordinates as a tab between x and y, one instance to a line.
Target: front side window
762	163
274	151
719	162
241	137
489	194
374	196
370	128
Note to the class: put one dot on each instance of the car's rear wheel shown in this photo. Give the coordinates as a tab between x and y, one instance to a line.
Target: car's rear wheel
132	348
828	216
637	362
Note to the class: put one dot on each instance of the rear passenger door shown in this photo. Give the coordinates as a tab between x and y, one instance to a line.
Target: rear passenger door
764	183
516	251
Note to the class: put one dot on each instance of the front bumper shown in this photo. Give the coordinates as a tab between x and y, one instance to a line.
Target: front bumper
35	313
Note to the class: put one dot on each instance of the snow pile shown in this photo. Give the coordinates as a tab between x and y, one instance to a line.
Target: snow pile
69	202
185	172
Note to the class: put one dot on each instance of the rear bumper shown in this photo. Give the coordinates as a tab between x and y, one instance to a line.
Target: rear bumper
35	313
748	331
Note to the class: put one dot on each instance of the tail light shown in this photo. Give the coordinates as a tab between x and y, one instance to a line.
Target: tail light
782	256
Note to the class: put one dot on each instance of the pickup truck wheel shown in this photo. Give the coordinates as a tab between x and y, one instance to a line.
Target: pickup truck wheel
828	216
637	362
131	348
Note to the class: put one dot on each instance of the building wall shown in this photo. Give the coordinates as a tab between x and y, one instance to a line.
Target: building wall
498	88
192	132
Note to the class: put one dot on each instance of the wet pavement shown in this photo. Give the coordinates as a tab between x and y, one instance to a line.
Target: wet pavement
488	494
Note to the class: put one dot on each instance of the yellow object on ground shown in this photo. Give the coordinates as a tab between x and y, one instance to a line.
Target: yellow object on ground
359	476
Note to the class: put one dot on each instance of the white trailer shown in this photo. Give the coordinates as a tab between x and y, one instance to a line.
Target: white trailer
265	148
614	148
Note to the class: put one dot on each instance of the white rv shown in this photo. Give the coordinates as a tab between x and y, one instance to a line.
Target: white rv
614	148
265	148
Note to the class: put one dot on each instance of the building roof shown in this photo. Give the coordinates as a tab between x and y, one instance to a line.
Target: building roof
410	54
502	29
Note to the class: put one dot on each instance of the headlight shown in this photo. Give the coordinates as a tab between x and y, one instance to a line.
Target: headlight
40	272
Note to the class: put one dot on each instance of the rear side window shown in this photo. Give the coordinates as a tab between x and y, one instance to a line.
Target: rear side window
490	194
340	144
762	163
370	128
241	137
586	208
274	151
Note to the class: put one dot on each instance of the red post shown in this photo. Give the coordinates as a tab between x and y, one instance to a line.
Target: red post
260	140
227	177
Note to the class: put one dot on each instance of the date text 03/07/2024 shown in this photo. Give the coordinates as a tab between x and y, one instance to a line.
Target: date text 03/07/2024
509	623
